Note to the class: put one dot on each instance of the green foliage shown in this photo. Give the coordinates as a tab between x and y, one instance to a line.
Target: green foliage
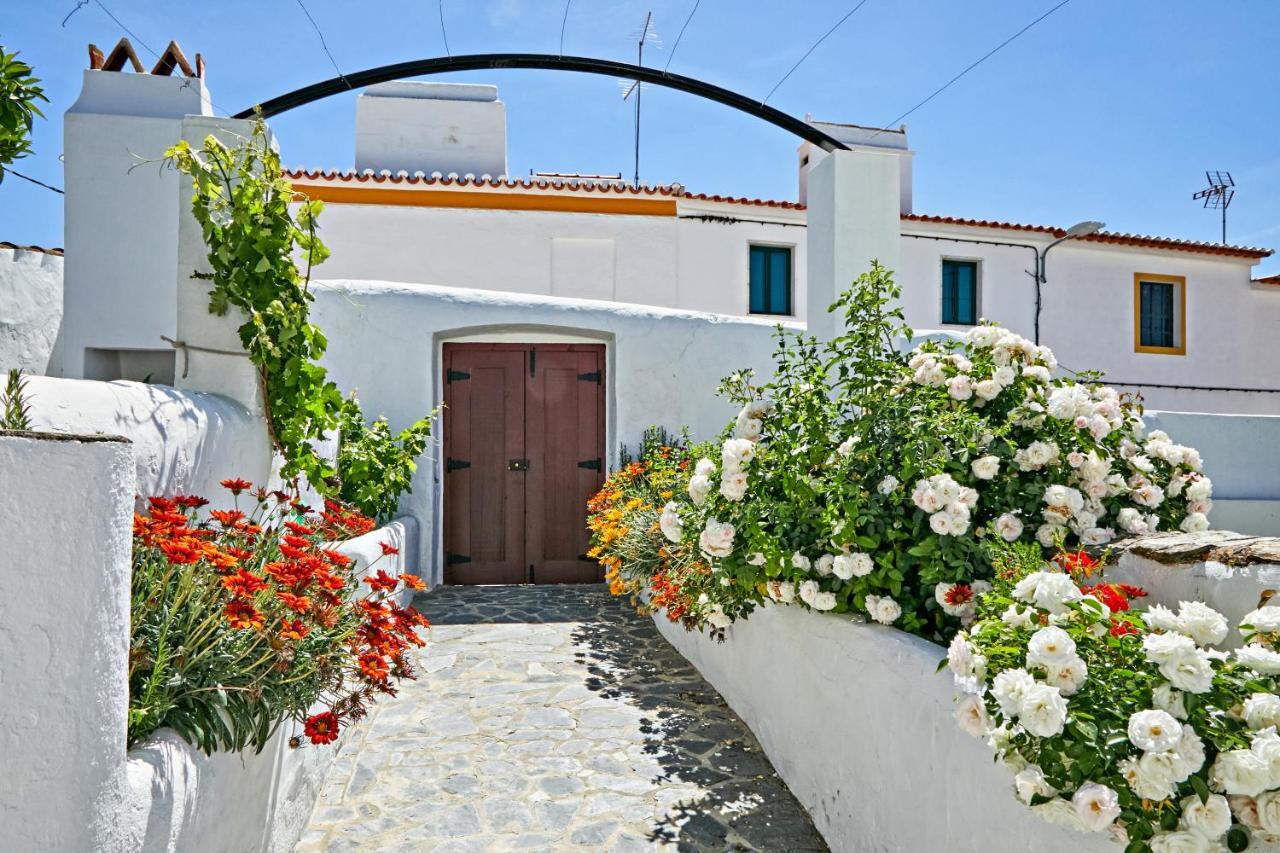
19	93
242	204
15	411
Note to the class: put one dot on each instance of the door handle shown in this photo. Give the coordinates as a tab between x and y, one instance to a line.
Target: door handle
517	464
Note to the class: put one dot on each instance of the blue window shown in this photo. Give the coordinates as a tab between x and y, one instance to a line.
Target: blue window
1156	313
770	272
960	292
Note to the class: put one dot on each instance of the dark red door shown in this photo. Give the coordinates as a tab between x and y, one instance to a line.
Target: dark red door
524	449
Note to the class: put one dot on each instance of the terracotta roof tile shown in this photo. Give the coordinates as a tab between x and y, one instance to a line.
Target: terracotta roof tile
17	248
484	181
1139	240
1269	279
759	202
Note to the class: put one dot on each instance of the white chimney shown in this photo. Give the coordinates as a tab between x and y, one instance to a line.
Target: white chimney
859	138
431	127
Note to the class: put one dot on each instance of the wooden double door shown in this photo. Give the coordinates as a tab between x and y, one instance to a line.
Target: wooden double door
524	450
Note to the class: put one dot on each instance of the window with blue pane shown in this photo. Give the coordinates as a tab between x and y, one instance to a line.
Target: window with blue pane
1156	312
770	275
960	292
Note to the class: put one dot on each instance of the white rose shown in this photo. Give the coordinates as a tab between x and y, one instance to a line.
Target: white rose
883	609
985	467
1047	534
1189	753
942	523
1268	807
1016	617
1190	672
856	564
960	656
1068	676
782	591
1202	623
809	592
1162	648
1240	771
716	539
824	601
1059	812
1096	805
846	446
824	564
670	523
1169	700
734	486
1030	783
1009	688
1262	710
1009	526
1004	376
1154	731
1038	373
1131	521
1195	522
960	387
1200	489
1043	711
800	561
1266	745
1178	842
699	488
1211	819
1051	591
736	452
971	714
748	428
1245	809
1050	645
1264	620
887	485
987	389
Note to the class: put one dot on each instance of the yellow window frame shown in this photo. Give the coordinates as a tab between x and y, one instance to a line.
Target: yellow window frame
1181	331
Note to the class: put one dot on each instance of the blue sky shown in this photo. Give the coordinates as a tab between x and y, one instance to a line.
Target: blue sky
1105	110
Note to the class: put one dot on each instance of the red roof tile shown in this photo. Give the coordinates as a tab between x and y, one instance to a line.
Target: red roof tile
16	247
760	202
484	182
1270	279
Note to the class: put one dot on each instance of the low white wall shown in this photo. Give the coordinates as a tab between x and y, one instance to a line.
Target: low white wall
65	511
30	309
183	801
662	365
184	442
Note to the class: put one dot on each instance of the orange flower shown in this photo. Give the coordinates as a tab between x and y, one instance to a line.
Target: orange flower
299	529
388	550
296	603
293	553
190	501
243	584
337	558
381	581
293	629
322	728
374	666
237	485
241	614
227	517
296	542
412	582
182	551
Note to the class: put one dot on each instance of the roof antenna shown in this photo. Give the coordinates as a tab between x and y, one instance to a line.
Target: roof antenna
1218	195
646	33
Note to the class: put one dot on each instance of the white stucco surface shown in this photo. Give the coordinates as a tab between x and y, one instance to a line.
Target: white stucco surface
183	801
30	309
184	442
65	511
662	365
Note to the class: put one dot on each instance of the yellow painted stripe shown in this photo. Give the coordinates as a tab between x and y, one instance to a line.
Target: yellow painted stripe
566	203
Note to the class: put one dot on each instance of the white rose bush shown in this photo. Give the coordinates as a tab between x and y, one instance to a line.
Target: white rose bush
862	479
1113	720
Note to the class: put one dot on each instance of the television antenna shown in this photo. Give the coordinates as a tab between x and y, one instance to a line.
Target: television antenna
645	33
1218	195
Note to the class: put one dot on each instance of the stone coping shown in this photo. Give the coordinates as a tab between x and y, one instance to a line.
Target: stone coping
1222	546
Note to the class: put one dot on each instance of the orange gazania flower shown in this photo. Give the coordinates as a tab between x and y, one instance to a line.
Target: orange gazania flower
322	728
299	529
242	614
412	582
182	551
381	581
243	584
374	666
236	485
296	541
293	629
388	550
227	517
337	558
190	501
296	603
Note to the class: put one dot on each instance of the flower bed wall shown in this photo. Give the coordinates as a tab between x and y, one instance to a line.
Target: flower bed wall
182	799
861	727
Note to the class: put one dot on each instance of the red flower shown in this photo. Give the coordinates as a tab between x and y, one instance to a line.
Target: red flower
299	529
242	614
374	666
182	551
296	603
227	517
238	553
293	553
1115	596
296	541
388	550
1077	563
163	504
1120	627
412	582
337	558
381	581
237	485
958	594
190	501
322	728
243	584
293	629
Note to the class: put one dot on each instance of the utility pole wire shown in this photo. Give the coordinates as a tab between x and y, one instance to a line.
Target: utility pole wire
563	22
323	43
814	47
16	173
672	54
130	32
443	32
80	4
984	58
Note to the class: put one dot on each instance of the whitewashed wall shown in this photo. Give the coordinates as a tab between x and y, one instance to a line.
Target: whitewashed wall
65	510
662	365
30	308
860	726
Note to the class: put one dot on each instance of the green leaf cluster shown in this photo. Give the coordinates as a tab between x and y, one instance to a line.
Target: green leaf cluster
20	93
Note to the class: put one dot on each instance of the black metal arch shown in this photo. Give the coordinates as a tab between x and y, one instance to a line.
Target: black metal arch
609	68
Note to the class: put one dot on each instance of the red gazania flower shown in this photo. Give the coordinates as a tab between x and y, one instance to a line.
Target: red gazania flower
958	594
236	485
337	558
238	553
227	517
293	553
329	580
374	666
242	614
299	529
1120	627
1077	563
293	629
381	581
163	504
322	728
412	582
182	551
296	603
388	550
296	541
170	517
243	584
190	501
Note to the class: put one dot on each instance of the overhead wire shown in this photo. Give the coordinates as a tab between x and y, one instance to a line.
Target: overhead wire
16	173
672	54
563	22
812	48
323	43
444	32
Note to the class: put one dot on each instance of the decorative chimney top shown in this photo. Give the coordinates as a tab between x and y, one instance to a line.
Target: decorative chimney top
123	52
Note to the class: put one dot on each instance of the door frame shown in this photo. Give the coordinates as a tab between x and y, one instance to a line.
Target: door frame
521	340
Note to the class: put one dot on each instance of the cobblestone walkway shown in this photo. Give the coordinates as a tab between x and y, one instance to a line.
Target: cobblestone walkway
552	718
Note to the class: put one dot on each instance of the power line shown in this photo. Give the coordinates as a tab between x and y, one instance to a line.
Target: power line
814	47
984	58
80	4
16	173
444	32
563	22
323	43
672	54
130	32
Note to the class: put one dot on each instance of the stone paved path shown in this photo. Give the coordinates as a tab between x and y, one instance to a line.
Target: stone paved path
552	718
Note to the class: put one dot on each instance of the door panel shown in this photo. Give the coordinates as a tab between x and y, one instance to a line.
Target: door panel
484	513
540	403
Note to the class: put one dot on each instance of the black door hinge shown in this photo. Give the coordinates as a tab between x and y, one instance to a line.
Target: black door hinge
456	375
593	376
530	575
590	464
455	559
533	360
452	464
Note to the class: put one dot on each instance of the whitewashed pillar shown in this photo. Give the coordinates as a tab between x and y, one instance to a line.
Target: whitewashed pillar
854	200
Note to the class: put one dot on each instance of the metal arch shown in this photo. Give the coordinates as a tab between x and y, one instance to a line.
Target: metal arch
587	65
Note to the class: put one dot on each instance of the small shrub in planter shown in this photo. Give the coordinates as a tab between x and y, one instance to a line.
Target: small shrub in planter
250	617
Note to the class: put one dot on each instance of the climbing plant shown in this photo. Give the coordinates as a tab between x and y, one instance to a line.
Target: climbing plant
19	94
261	253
